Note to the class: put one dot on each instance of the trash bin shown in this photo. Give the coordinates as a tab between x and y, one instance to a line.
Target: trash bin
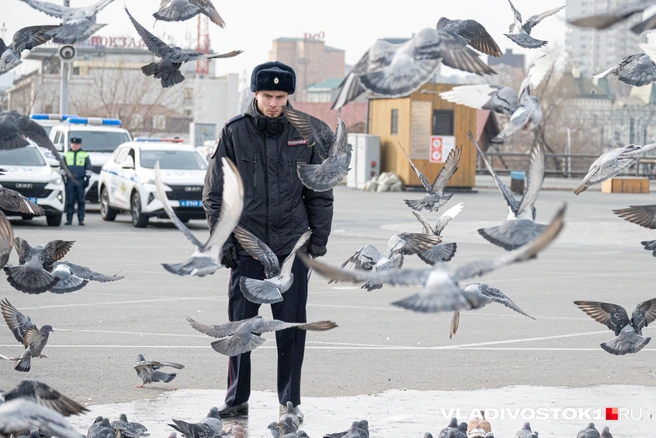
517	182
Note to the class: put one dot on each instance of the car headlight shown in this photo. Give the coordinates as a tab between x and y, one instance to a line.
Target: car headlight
57	180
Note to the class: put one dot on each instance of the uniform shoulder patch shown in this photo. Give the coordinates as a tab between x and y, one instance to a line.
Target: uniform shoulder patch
297	142
235	118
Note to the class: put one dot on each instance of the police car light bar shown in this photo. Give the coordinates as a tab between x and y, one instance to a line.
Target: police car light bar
52	116
94	121
158	140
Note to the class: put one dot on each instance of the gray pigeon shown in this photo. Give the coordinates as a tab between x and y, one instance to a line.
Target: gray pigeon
278	278
74	277
436	197
523	108
289	408
147	370
441	292
26	38
454	430
442	252
628	332
168	69
11	200
520	32
606	433
206	259
34	339
273	428
316	132
636	70
34	272
589	432
473	33
519	228
607	19
395	70
124	428
243	336
482	295
362	430
101	429
46	396
643	215
22	415
6	239
324	176
78	24
525	431
611	164
181	10
208	427
288	423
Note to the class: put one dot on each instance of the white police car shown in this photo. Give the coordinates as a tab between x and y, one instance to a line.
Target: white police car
127	181
100	138
50	120
36	176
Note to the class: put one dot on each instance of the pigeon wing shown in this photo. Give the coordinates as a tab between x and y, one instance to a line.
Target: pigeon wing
499	297
51	9
516	15
535	19
644	314
609	18
23	249
643	215
216	331
411	243
645	25
316	132
448	215
534	177
274	325
421	176
28	38
428	229
55	250
259	251
12	200
502	100
287	264
479	38
536	73
88	274
231	207
92	10
154	44
601	312
446	172
208	9
365	258
48	397
16	321
6	239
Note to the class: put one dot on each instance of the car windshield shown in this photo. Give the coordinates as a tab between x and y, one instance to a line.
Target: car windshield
179	160
100	141
28	156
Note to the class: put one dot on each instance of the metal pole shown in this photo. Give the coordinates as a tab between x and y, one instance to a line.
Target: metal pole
63	98
569	154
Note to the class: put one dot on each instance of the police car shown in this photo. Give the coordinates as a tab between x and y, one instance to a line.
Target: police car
100	138
36	176
127	180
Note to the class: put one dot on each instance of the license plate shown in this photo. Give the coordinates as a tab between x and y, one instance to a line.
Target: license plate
33	200
188	203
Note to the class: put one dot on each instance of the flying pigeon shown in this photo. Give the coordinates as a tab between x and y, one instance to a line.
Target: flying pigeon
26	38
239	337
6	239
206	259
643	215
442	252
636	70
34	339
278	278
21	415
589	432
520	32
44	395
523	108
208	427
441	292
473	33
607	19
168	69
74	277
482	295
611	164
324	176
628	332
78	24
436	197
316	132
181	10
11	200
147	370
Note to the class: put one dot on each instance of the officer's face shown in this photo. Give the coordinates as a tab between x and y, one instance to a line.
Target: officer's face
270	103
76	146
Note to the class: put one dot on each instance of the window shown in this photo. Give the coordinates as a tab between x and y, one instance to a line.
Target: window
181	160
100	141
188	113
442	122
188	93
395	122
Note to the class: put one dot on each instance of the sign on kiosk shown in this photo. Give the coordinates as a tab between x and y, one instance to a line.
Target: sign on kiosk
440	147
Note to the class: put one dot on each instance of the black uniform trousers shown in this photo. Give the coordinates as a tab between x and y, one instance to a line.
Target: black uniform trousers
290	342
75	192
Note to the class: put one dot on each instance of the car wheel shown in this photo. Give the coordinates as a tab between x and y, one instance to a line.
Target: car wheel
139	220
106	212
54	220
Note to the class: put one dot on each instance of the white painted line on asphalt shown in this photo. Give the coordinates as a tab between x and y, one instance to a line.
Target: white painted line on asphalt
159	300
512	341
575	276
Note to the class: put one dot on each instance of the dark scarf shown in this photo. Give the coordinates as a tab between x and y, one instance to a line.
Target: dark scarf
268	126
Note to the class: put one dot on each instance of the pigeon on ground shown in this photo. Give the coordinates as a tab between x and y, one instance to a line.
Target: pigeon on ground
368	258
643	215
606	433
78	24
525	431
442	252
441	292
394	70
454	430
34	275
274	429
101	429
436	197
628	332
147	370
316	132
34	339
11	200
168	69
181	10
288	421
611	164
26	38
520	32
243	336
324	176
6	239
607	19
361	430
44	395
523	108
122	427
206	259
589	432
289	408
208	427
519	228
19	416
636	70
473	33
74	277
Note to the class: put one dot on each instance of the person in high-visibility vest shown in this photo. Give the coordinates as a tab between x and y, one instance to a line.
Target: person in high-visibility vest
79	164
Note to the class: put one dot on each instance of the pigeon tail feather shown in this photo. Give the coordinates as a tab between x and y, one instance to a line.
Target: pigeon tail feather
259	291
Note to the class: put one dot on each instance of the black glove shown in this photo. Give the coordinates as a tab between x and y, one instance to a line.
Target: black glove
230	256
316	250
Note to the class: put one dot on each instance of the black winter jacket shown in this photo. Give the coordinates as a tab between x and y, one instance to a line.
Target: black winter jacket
278	208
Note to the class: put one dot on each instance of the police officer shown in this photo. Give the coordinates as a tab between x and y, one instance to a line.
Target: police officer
79	164
278	208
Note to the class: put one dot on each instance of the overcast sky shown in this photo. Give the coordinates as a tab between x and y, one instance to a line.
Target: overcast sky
351	25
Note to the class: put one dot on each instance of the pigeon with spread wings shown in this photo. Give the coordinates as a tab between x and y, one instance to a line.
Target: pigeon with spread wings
316	132
34	339
643	215
520	32
206	259
637	70
74	277
181	10
442	252
46	396
26	38
613	16
473	32
19	416
147	370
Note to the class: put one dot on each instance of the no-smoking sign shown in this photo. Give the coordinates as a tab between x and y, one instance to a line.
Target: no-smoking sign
440	147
